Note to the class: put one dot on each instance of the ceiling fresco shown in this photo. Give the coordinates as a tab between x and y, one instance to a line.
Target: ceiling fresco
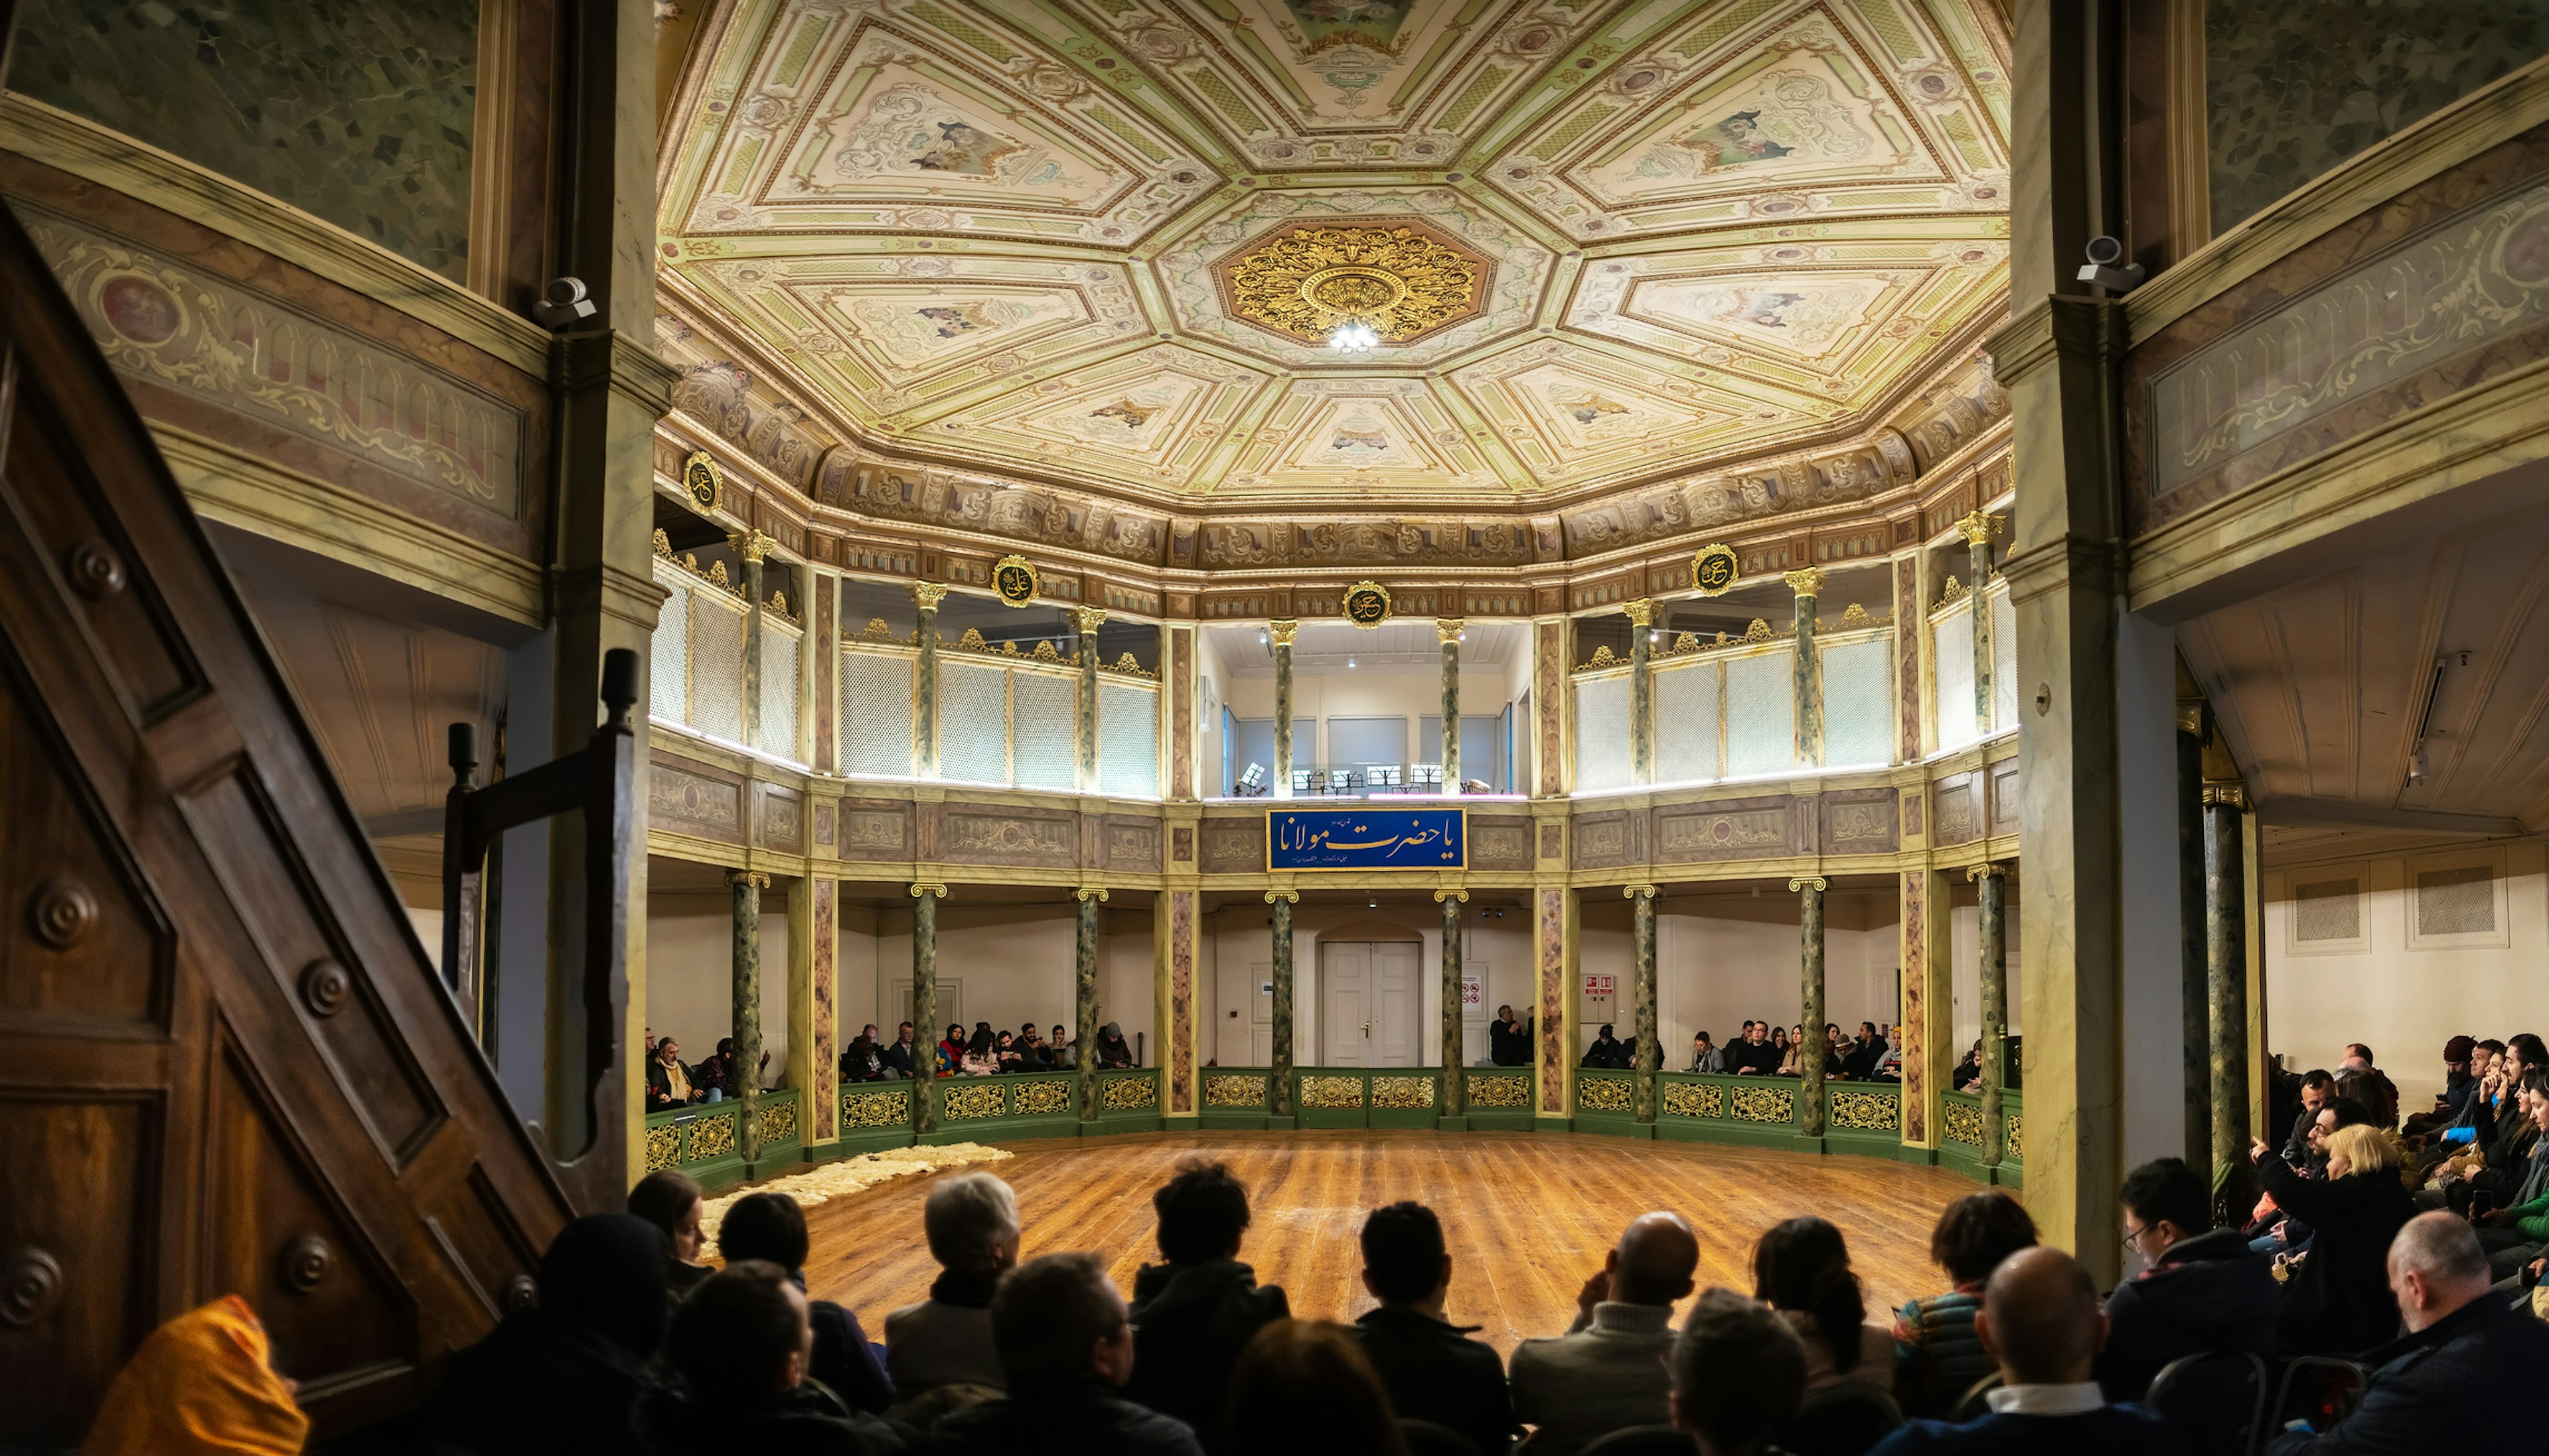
1608	244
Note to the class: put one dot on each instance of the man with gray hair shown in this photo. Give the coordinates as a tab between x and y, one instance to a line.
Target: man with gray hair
939	1352
2466	1349
1607	1372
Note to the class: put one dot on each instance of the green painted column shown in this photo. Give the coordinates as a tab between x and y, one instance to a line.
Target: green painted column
924	996
1991	881
1808	667
1649	1055
1641	691
747	885
2226	971
1455	1090
1083	1026
1279	1095
924	688
1810	996
1979	528
1448	630
1279	633
1084	717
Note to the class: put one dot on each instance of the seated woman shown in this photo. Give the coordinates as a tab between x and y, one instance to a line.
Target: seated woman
669	1199
1937	1356
1112	1050
1789	1057
1801	1268
2337	1300
982	1054
951	1050
1060	1053
1970	1072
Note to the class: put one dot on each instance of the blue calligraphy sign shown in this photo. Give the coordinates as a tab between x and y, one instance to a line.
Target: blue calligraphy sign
1366	839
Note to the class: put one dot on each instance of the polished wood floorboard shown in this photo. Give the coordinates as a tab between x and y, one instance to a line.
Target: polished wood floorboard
1526	1218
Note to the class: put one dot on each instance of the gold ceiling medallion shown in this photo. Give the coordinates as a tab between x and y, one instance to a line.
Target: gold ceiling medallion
1403	277
702	482
1015	578
1367	603
1714	570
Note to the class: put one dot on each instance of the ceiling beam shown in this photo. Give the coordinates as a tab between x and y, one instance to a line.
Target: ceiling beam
2349	814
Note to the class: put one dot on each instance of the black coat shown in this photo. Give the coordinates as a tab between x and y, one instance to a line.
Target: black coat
1078	1417
1607	1051
844	1360
1192	1321
1742	1055
2208	1292
809	1421
2339	1301
1435	1372
1508	1046
537	1383
2474	1363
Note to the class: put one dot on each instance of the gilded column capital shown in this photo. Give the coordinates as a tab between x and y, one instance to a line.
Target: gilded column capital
756	879
1641	612
751	545
1981	872
1807	881
2235	796
1978	527
2191	714
1288	896
1088	892
1806	581
1448	630
1281	630
928	594
1441	895
1087	618
1637	892
927	887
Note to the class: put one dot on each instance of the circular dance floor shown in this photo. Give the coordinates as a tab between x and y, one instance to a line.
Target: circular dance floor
1527	1217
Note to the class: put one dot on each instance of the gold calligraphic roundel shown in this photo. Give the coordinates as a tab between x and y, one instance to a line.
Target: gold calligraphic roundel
1015	578
702	482
1403	276
1367	603
1714	570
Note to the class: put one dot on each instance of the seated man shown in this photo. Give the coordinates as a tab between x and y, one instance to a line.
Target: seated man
2041	1320
1431	1368
939	1351
668	1082
2204	1290
1738	1373
1704	1055
2466	1351
771	1227
740	1348
1066	1347
2319	1089
2513	1236
900	1057
1607	1372
1197	1311
1607	1051
1505	1046
1753	1056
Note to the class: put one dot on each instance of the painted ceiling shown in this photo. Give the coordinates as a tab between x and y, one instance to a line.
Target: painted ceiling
1096	242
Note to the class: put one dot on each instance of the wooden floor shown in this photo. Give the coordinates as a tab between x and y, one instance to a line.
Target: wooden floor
1527	1217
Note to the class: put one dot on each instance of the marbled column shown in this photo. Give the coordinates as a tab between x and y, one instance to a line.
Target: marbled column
819	1074
1281	632
1173	924
823	660
1085	621
1809	668
1979	528
751	546
1650	1057
747	885
2195	984
1641	691
2226	971
1990	882
1552	932
1455	1102
924	688
924	996
1279	1096
1912	900
1809	995
1084	1022
1448	630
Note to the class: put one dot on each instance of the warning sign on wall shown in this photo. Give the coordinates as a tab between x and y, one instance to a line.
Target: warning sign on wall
1599	987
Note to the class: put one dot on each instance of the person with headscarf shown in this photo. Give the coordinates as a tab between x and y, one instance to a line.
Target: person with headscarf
951	1050
202	1385
1112	1050
982	1053
566	1374
1606	1050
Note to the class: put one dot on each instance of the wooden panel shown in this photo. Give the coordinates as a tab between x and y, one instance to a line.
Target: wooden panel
92	1298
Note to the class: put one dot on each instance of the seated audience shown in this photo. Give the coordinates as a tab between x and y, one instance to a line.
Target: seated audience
2040	1320
1007	1054
1067	1348
565	1374
670	1199
1737	1375
863	1060
1302	1386
1112	1050
202	1382
1704	1055
2465	1359
1753	1056
2374	1092
1606	1373
1860	1057
2339	1301
2514	1237
939	1352
1508	1045
1889	1062
951	1050
1792	1057
2319	1089
771	1227
1059	1054
2463	1066
2202	1290
736	1377
1801	1268
668	1082
1431	1368
1199	1308
982	1053
1607	1050
1937	1356
1969	1076
901	1058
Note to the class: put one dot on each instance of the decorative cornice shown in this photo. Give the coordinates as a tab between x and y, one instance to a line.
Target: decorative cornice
2059	324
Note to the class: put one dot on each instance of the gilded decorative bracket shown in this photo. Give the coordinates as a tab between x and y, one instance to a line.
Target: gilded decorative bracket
1291	896
757	879
1985	872
1806	581
1804	881
928	594
1451	894
1088	892
927	887
1632	891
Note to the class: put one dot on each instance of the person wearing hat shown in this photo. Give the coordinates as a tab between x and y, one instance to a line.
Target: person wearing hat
1112	1050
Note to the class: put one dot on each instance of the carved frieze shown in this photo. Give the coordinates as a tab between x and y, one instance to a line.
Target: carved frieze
1750	829
1959	816
979	834
1448	541
2004	798
782	820
1131	844
1234	846
876	829
693	803
1603	841
1859	821
1499	844
1034	513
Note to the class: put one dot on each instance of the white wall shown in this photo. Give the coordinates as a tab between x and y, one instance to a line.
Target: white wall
689	972
1237	943
1964	924
2399	990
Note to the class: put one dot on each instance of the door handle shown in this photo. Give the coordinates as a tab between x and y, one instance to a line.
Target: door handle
1366	1031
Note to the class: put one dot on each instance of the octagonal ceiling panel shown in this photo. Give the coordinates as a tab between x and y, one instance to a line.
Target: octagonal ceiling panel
1368	436
1153	415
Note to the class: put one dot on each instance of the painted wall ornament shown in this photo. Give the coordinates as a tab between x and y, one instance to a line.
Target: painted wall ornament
1014	577
702	482
1367	603
1714	569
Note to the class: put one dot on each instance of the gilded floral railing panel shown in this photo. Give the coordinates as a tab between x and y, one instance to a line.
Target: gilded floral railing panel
1602	1094
1764	1105
891	1109
1235	1091
1692	1100
1401	1094
1331	1094
1137	1093
1042	1099
1856	1110
1499	1092
963	1104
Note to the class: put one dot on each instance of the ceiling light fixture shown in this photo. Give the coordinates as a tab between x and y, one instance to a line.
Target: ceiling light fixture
1354	336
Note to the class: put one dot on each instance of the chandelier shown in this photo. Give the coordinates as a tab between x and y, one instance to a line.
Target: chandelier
1354	336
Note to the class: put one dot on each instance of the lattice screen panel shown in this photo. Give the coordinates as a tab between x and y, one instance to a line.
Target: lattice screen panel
1128	740
2331	910
1761	713
1858	705
876	713
973	722
1951	653
779	690
716	666
2456	902
2004	661
1601	734
1044	738
668	656
1686	723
